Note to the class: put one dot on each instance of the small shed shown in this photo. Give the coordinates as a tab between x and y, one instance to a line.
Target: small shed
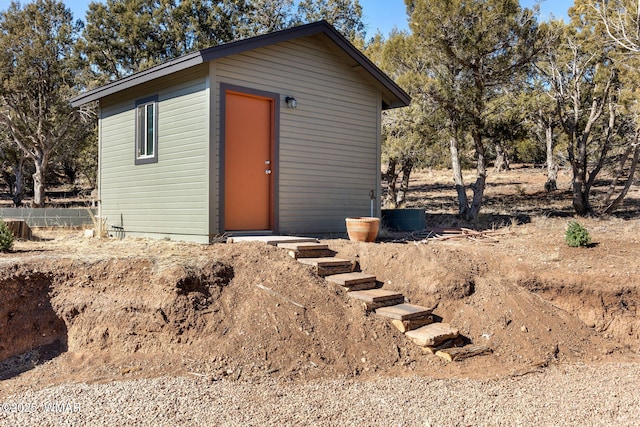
278	133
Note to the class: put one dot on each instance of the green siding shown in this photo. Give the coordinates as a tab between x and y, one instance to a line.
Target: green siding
329	145
170	197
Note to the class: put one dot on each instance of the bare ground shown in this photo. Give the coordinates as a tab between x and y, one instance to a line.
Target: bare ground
86	310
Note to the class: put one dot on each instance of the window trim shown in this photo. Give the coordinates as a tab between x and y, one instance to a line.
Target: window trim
146	159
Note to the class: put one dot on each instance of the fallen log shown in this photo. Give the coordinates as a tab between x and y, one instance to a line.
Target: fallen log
466	233
453	342
460	353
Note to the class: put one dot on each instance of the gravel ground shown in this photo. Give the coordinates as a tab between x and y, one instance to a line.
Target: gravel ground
560	396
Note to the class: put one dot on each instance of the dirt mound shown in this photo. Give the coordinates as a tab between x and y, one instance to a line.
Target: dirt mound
484	297
245	310
136	308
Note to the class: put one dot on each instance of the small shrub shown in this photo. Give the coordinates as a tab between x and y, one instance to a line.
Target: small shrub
577	235
6	237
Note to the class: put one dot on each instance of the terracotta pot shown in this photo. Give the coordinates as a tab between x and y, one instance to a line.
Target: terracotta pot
363	229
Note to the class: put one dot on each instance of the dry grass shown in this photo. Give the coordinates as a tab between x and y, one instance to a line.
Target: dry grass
512	197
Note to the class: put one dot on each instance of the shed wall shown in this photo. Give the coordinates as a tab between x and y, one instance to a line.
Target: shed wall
169	197
329	144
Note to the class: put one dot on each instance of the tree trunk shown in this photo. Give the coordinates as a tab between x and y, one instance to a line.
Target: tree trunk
392	180
502	160
619	170
39	182
15	181
479	185
618	201
580	188
605	145
407	167
9	179
581	181
552	166
463	203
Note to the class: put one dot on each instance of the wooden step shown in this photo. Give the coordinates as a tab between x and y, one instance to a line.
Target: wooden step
303	246
307	250
326	266
355	281
270	240
375	295
404	312
433	334
313	253
376	298
325	261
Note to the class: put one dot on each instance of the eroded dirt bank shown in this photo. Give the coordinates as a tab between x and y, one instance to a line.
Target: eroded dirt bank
137	308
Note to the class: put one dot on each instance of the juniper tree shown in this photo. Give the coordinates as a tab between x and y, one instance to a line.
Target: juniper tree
472	51
37	78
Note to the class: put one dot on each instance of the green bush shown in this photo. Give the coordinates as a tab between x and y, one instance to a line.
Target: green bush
6	237
577	235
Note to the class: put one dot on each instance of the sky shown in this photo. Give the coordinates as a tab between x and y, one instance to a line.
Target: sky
381	15
384	15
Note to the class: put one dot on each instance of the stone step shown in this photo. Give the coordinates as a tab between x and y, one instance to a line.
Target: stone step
404	312
355	281
326	266
433	334
376	298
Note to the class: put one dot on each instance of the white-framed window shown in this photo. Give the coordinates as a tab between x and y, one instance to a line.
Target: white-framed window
147	131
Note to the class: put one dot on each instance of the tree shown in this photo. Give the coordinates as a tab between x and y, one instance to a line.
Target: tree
408	134
584	86
503	127
542	112
77	158
472	50
345	15
585	77
12	167
626	141
539	101
621	19
37	77
267	16
123	37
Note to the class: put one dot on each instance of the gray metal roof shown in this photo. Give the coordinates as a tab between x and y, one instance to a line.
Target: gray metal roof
393	96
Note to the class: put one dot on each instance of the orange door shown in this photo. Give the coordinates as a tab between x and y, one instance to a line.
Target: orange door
247	162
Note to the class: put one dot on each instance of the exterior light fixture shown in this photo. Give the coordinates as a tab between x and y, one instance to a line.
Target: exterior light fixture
291	102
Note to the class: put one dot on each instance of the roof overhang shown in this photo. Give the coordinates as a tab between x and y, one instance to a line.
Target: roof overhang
393	96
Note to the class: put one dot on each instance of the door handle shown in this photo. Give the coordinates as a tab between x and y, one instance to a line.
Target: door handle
268	171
